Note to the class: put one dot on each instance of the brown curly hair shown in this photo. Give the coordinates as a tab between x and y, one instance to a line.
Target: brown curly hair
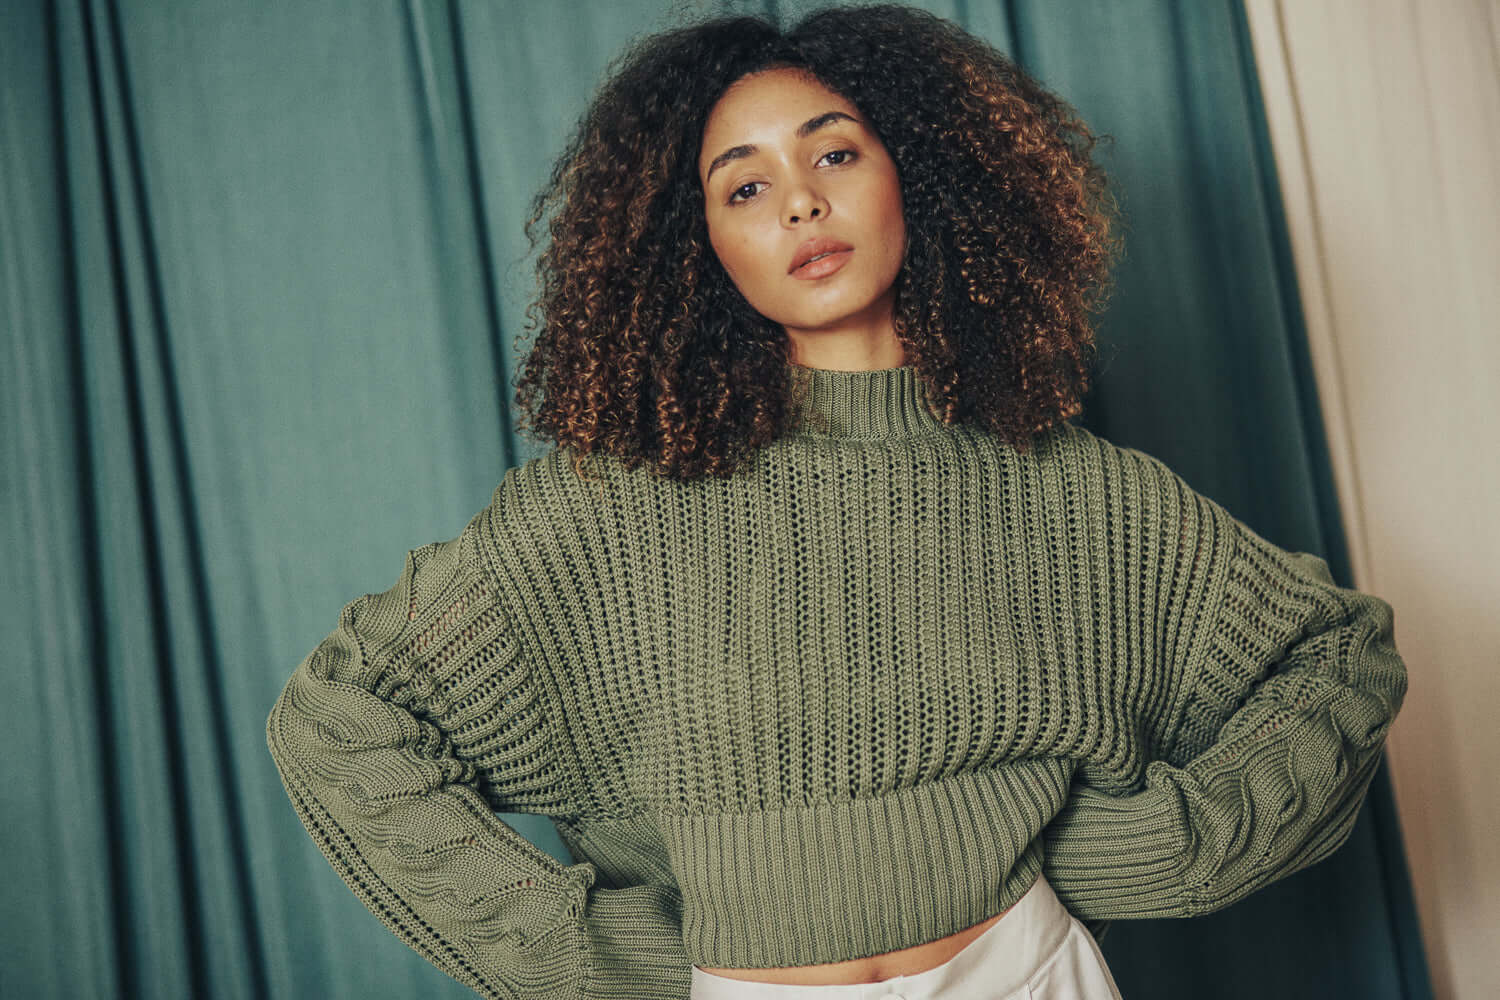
649	353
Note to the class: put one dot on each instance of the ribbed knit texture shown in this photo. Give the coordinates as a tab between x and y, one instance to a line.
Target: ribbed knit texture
849	701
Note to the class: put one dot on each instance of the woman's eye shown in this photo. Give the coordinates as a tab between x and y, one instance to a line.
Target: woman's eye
742	187
845	154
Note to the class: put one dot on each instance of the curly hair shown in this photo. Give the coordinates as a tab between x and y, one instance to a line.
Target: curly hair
649	353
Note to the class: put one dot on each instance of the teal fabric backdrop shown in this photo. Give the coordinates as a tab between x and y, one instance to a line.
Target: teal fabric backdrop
261	279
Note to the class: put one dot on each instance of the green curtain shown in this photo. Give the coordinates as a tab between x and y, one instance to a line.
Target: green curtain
262	278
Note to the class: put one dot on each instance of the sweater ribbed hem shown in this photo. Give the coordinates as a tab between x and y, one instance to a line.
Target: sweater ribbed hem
841	880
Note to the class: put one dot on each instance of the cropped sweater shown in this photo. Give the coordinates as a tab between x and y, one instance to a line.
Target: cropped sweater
854	698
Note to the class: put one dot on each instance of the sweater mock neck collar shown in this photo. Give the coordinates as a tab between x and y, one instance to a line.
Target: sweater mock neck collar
873	403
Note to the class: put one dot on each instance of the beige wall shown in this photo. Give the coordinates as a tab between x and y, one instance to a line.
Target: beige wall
1385	118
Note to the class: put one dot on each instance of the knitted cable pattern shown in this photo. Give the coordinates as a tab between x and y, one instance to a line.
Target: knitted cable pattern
851	700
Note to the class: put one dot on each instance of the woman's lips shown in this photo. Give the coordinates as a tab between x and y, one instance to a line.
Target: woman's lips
823	266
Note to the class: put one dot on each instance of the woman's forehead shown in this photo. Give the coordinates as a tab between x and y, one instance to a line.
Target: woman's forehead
770	107
767	91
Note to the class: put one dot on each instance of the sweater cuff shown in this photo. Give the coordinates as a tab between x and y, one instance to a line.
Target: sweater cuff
1119	857
634	941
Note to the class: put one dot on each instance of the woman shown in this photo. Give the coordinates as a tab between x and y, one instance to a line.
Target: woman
843	664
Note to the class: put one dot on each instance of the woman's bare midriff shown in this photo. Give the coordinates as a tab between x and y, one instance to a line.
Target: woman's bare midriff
870	969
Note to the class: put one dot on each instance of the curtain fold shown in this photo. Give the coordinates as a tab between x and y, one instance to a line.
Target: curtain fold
263	279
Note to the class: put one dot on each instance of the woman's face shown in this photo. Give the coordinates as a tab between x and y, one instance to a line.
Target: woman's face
784	161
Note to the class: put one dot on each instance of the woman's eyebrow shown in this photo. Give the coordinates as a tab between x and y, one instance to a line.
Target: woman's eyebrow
804	130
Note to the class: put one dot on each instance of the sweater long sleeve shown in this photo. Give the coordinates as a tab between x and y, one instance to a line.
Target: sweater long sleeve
399	736
856	697
1268	756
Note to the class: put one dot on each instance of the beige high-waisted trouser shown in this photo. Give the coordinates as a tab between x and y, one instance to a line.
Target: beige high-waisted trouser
1037	951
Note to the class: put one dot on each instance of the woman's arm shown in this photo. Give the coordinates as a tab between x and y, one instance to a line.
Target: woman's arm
1292	686
399	736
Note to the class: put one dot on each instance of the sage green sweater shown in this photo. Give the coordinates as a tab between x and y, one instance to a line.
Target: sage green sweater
853	699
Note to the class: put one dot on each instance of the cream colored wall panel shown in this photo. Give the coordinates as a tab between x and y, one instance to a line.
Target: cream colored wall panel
1385	121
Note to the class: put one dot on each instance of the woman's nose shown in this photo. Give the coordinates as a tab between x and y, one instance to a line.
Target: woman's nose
804	203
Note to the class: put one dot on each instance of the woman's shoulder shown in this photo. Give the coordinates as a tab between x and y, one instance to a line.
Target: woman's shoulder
1091	451
549	491
1078	450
